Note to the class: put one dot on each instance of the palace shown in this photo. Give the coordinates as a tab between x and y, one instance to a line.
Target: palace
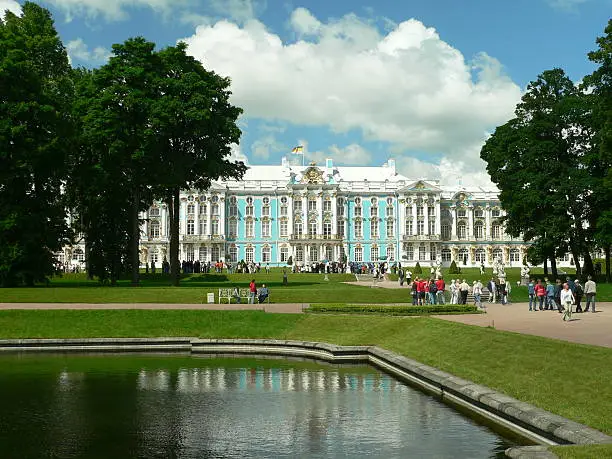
314	213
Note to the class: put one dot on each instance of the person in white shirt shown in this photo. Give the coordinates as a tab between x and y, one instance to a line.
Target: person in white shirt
477	290
590	288
464	289
567	298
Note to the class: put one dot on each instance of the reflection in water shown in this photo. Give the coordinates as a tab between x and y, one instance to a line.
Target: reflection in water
212	408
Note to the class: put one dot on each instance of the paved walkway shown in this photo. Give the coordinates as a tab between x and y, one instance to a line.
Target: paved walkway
586	328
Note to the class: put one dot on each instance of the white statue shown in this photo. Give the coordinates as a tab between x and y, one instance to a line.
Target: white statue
495	266
482	269
525	272
432	269
501	270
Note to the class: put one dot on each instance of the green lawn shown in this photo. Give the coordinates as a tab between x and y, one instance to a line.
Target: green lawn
583	452
571	380
302	288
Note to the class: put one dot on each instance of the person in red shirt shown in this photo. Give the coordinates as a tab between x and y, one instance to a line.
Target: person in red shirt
540	292
252	291
420	286
440	294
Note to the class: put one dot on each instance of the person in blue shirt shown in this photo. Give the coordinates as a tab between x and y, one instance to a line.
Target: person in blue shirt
532	298
550	295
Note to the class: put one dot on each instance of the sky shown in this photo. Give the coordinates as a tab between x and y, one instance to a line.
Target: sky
359	81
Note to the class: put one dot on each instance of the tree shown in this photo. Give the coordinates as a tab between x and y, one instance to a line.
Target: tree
35	135
120	155
418	269
536	160
453	269
600	162
194	125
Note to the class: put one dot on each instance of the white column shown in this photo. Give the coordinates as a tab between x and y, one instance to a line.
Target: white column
196	220
487	229
454	227
209	218
401	218
426	217
222	216
414	218
438	219
334	212
470	228
183	217
320	213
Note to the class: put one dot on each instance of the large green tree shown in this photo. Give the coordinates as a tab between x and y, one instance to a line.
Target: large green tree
119	151
35	135
536	160
195	125
599	87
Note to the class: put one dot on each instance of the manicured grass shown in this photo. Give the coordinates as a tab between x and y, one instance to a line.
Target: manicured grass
302	288
568	379
392	310
583	452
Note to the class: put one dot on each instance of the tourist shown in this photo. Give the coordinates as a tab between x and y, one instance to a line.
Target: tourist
400	275
252	291
558	288
267	268
408	276
236	294
508	290
567	298
477	290
433	290
441	287
464	288
550	296
590	288
491	287
531	293
415	292
263	293
578	293
540	293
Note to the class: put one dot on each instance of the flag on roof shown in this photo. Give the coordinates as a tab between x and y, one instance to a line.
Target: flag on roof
297	150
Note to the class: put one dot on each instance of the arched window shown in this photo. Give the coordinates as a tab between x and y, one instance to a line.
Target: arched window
266	254
374	228
233	227
446	255
154	255
78	254
191	209
480	256
203	255
409	252
358	229
249	255
497	254
390	228
298	228
358	254
190	227
374	253
390	253
462	230
299	254
233	254
463	255
154	229
312	228
478	230
250	228
495	231
514	255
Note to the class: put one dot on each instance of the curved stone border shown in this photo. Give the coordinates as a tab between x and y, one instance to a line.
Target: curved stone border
522	418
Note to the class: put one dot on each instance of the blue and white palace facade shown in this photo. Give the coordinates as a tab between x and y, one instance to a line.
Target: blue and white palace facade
325	212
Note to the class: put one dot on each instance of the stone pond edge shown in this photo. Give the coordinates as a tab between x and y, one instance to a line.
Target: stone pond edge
525	420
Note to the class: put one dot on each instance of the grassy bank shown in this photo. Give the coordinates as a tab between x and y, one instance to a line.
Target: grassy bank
569	379
302	288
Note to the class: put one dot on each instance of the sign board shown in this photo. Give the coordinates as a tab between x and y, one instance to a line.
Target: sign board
210	298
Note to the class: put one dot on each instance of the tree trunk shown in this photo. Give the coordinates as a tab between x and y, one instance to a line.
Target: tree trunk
589	268
545	266
576	257
174	207
553	267
607	252
135	239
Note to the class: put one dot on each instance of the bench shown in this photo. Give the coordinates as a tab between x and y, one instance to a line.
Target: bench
228	294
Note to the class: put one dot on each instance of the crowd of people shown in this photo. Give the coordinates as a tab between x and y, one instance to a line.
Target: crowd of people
548	296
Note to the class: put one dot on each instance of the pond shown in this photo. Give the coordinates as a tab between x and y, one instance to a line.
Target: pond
101	406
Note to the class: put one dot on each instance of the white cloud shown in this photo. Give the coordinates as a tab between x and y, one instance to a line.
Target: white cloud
350	155
237	10
565	5
263	147
406	87
114	10
78	50
237	154
10	5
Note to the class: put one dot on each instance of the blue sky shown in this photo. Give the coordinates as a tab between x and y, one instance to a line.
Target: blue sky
421	81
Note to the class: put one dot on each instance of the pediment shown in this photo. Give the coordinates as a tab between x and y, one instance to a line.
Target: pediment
421	186
312	174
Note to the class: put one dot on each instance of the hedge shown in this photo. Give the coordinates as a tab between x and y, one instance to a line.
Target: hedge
392	310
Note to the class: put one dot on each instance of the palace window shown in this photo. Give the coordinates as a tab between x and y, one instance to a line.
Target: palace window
358	254
233	254
462	230
358	229
189	252
191	209
514	255
357	201
154	256
327	206
495	231
215	253
203	224
374	228
190	227
284	254
419	211
329	253
233	200
266	255
233	210
327	230
389	211
214	227
446	232
203	209
446	255
340	228
283	211
299	254
420	227
265	228
215	209
422	253
497	254
478	230
250	228
233	227
373	212
409	252
266	200
408	227
431	211
283	228
390	228
312	204
358	211
249	255
390	253
203	255
463	255
340	207
495	213
374	254
78	254
297	205
389	201
154	230
314	253
478	212
312	228
265	211
432	251
154	211
461	213
249	207
298	228
480	256
432	226
283	200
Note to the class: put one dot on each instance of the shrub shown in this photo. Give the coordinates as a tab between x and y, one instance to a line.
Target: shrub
290	260
385	309
454	269
417	269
